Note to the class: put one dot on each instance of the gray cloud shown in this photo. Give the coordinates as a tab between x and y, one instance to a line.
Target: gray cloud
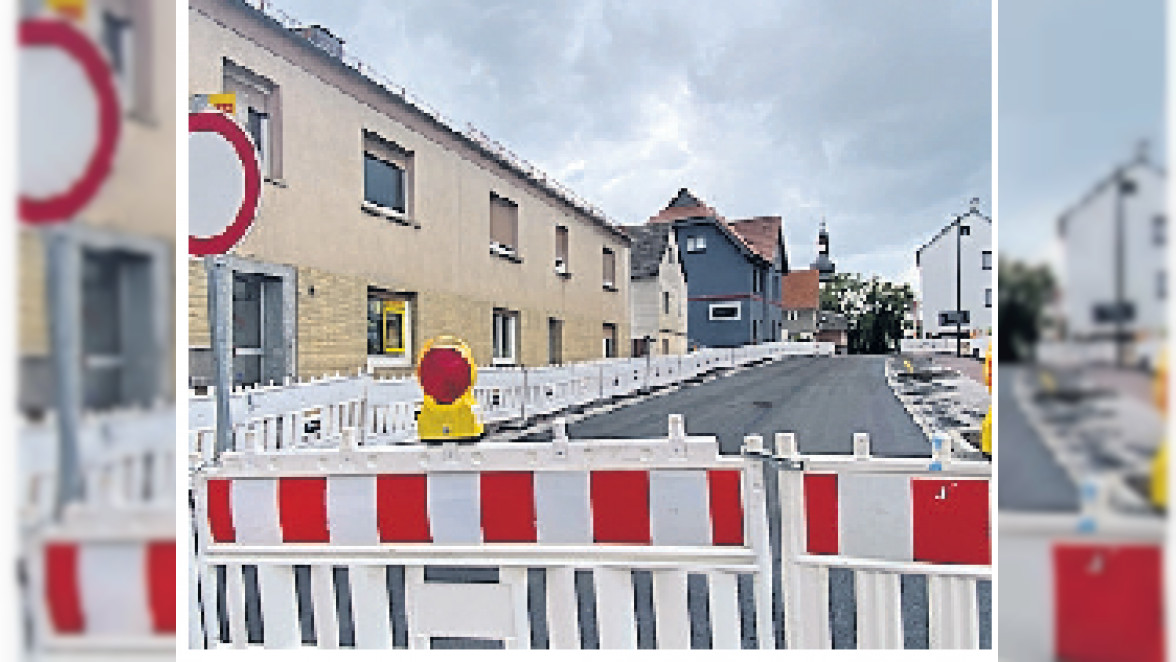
875	115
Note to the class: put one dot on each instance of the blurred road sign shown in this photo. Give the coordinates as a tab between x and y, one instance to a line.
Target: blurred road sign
72	9
69	123
224	183
1109	313
949	317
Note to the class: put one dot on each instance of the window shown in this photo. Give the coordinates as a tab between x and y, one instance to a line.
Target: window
389	328
665	346
387	177
988	297
561	250
118	38
504	226
725	311
506	325
696	244
965	230
610	269
666	303
259	110
1162	285
754	331
793	315
610	341
554	341
986	260
1160	230
757	281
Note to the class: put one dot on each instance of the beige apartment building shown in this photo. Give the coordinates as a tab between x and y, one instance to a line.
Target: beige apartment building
381	226
123	242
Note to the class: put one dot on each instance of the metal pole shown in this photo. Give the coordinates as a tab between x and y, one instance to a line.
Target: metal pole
63	284
1120	313
959	303
220	315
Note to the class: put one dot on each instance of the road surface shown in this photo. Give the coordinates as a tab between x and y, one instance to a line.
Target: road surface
824	400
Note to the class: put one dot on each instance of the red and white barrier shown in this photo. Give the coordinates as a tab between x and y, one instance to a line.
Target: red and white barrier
1074	588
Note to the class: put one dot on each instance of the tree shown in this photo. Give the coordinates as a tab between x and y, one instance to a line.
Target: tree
874	308
1023	294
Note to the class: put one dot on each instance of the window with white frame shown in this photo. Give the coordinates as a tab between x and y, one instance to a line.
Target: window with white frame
725	311
561	250
1162	285
986	260
696	244
389	328
610	269
1160	229
387	175
506	336
610	341
988	297
259	111
504	226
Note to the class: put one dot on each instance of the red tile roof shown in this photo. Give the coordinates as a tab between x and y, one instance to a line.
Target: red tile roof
801	290
761	234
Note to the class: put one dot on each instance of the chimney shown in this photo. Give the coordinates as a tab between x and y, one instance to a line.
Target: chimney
974	205
323	38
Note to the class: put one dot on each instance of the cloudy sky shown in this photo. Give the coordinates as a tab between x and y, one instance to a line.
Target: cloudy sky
874	115
1081	83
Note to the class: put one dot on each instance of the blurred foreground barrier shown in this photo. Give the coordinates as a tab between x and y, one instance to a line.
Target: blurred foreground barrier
314	413
101	581
1072	587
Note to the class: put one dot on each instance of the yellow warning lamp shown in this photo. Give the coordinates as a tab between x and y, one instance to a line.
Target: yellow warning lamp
986	426
446	373
1159	468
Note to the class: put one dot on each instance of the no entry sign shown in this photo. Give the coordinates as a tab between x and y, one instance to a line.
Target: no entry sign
69	121
224	183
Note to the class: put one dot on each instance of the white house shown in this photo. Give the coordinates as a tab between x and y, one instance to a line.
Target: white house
658	291
1102	260
964	246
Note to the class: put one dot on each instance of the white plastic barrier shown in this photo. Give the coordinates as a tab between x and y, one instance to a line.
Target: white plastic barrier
1073	587
1075	353
312	413
883	519
927	345
101	579
577	512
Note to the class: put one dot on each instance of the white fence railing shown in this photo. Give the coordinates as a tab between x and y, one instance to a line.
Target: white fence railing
1075	353
551	543
101	579
310	414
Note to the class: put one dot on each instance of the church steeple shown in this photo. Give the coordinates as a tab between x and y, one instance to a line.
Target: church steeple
824	264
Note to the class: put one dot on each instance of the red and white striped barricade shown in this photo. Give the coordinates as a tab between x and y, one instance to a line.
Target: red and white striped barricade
883	518
586	516
1075	587
104	582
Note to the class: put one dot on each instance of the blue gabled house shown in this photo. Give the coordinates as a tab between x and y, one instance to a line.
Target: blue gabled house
735	270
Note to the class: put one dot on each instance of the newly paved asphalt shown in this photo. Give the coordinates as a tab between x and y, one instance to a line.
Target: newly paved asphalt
823	400
1029	477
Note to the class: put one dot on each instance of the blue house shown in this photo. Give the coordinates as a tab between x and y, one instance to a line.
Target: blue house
734	269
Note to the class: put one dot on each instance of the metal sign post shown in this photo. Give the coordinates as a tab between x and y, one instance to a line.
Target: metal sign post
64	159
63	276
220	316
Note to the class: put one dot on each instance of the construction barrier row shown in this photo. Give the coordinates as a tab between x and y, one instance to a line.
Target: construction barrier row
313	413
659	543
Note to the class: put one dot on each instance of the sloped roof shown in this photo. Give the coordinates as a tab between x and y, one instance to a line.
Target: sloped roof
801	290
684	205
645	253
945	229
761	234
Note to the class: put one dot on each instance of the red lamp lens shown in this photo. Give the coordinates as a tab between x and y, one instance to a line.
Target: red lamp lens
444	374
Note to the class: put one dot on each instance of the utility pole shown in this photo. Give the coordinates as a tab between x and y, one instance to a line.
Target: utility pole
1123	188
959	313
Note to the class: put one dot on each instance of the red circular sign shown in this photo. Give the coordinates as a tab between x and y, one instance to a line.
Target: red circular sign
63	206
444	374
242	144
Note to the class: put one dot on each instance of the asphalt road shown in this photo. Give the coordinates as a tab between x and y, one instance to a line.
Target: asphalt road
823	400
1029	478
